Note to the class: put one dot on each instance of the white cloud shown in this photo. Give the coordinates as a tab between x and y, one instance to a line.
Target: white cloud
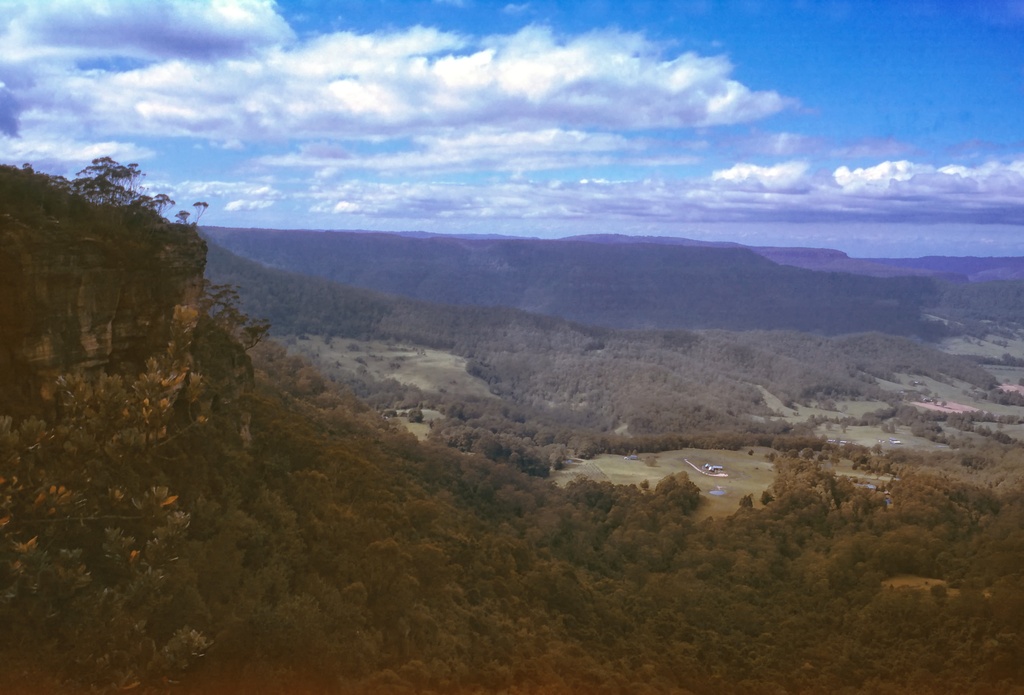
880	175
781	175
226	189
990	189
492	149
784	192
344	206
85	79
236	197
66	156
229	86
248	205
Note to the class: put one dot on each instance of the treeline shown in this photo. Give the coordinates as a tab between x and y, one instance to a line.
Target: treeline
106	198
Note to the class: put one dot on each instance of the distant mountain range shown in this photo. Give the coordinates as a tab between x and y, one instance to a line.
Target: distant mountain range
616	282
948	268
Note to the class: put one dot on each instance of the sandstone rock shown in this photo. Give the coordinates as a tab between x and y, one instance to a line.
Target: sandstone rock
81	300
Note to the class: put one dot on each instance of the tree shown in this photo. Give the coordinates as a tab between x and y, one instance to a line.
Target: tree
106	182
678	491
161	202
220	303
118	188
183	215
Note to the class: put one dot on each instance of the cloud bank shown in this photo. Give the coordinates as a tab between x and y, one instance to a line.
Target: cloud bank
787	192
419	124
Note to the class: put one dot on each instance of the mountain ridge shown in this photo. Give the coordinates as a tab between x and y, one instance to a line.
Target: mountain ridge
950	268
619	285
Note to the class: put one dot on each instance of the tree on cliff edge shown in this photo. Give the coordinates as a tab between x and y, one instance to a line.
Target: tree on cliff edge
118	186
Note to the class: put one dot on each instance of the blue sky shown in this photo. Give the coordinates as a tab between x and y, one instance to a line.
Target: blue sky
880	128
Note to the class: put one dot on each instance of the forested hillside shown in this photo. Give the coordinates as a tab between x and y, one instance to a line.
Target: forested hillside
633	285
983	306
826	260
226	520
328	554
976	269
550	374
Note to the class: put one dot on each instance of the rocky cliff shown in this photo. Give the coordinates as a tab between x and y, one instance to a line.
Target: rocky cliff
90	297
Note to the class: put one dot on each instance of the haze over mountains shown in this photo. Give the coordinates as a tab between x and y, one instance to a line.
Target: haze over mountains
635	283
952	268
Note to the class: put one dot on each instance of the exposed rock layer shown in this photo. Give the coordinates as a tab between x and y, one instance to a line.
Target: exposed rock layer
98	303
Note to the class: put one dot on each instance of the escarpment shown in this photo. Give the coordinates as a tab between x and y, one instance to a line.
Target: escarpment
76	295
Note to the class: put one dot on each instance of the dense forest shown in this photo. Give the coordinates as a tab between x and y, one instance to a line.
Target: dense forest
225	519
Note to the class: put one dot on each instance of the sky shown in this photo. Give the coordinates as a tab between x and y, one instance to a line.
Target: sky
880	128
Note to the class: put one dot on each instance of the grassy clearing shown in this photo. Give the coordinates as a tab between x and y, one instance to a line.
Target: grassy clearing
801	413
845	468
1015	431
954	395
869	436
1006	375
420	429
991	346
432	371
748	474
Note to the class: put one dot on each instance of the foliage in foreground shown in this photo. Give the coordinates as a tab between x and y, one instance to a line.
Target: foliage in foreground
314	545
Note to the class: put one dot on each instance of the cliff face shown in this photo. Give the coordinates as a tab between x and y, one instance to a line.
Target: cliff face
71	300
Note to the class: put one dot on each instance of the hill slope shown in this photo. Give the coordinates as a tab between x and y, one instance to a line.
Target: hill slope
643	382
